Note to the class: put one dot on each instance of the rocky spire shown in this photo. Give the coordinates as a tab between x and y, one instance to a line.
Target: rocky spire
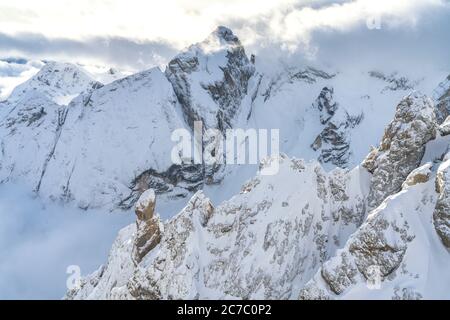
148	234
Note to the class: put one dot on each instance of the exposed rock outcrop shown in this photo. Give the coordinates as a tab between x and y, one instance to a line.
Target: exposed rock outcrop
441	216
148	234
394	81
419	175
444	128
402	147
334	141
383	249
443	106
217	67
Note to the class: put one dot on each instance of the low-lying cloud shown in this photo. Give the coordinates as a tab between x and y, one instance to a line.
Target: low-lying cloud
38	243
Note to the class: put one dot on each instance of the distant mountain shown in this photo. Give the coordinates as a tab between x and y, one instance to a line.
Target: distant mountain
59	82
72	138
366	208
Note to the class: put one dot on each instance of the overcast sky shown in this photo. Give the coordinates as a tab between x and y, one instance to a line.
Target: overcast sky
137	34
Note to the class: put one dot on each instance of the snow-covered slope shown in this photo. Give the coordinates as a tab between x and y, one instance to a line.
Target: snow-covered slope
114	143
265	242
303	233
85	144
326	115
31	120
397	253
71	138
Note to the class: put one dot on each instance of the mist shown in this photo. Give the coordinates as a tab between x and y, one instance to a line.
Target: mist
38	242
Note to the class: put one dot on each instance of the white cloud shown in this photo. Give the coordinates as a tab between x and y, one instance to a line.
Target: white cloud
38	243
13	74
184	22
138	34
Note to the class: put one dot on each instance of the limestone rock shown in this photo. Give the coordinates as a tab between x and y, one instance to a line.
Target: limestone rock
419	175
148	234
402	147
441	216
443	106
216	69
333	142
444	128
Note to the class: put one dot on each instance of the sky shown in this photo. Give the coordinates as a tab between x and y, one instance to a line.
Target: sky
138	34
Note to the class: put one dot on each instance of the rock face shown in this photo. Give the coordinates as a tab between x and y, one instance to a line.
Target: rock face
211	78
444	128
381	251
31	121
443	105
394	81
402	147
173	273
333	142
129	117
441	216
148	234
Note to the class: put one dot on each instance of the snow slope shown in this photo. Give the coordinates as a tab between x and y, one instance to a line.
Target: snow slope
110	137
60	82
303	233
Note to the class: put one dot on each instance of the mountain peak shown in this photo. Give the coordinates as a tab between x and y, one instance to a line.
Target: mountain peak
58	81
224	33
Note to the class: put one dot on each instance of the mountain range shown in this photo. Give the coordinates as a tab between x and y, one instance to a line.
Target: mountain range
361	196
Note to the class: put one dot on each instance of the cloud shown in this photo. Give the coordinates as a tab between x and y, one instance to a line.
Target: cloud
182	23
38	243
15	71
113	51
137	34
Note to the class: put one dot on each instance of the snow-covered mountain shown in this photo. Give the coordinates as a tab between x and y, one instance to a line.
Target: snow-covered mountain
59	82
31	120
67	136
380	230
345	215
